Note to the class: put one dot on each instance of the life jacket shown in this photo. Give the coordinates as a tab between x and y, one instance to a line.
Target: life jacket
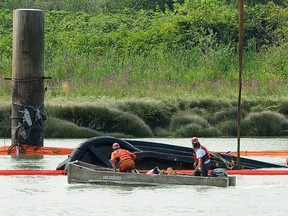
204	158
123	155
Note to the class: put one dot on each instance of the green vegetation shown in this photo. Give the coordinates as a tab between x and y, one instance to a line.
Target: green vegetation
155	118
178	57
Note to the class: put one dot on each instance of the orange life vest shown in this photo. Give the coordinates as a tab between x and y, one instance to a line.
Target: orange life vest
124	155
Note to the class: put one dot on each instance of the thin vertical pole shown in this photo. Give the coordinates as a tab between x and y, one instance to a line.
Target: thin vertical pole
240	66
28	73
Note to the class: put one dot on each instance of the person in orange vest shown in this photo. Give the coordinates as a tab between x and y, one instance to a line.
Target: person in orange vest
124	159
201	158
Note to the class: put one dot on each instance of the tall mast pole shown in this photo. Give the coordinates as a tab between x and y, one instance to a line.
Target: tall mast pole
240	66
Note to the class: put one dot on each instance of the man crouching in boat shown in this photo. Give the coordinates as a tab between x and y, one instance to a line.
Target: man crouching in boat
201	158
123	158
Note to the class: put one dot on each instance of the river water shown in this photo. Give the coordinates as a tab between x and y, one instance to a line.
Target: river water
52	195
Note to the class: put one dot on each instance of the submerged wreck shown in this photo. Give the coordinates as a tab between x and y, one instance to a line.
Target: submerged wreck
97	151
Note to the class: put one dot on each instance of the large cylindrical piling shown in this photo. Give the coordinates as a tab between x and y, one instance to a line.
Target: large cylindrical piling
28	77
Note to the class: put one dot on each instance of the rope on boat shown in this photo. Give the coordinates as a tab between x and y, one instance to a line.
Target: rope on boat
229	165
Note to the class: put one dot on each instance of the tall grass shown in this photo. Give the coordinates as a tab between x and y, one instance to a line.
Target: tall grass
187	53
173	74
185	74
182	66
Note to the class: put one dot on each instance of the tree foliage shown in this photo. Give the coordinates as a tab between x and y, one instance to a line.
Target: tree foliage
203	24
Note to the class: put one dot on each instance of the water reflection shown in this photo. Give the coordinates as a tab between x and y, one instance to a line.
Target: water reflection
120	189
27	162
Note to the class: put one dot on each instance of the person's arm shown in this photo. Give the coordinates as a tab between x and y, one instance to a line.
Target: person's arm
112	161
200	163
133	156
195	159
113	165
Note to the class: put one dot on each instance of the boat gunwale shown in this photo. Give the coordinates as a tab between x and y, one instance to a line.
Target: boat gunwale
148	180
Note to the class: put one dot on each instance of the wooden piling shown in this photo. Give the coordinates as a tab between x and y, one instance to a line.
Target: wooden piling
28	75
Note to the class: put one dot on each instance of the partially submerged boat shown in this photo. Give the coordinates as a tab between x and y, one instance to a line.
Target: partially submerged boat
81	172
97	151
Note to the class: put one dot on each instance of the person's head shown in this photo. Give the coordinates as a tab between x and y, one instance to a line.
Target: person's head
115	146
195	142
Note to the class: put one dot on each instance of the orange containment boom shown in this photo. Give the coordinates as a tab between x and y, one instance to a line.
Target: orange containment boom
258	172
32	172
245	172
183	172
259	153
66	151
30	150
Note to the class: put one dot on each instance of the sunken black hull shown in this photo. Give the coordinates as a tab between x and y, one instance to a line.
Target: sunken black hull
98	150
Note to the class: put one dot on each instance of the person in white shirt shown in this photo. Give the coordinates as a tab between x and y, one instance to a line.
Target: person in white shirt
201	158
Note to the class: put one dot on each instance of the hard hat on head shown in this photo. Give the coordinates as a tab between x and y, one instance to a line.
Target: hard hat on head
115	146
195	140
